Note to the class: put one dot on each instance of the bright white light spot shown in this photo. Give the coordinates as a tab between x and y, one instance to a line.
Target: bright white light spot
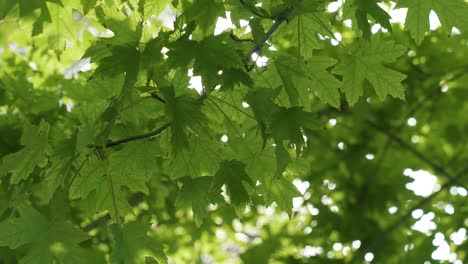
335	41
462	191
414	139
301	186
167	17
444	88
196	83
424	183
334	6
356	244
297	203
434	22
312	210
326	200
455	31
449	209
393	210
340	145
310	251
78	66
223	23
220	72
224	138
337	246
459	236
425	223
369	156
261	61
397	15
348	23
346	250
375	28
330	185
332	122
369	257
407	172
330	254
408	247
33	65
417	213
307	230
217	87
334	209
412	121
245	105
190	72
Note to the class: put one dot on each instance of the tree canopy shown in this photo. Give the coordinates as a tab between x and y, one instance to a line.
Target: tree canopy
225	131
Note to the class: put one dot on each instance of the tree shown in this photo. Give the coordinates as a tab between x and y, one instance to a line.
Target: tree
304	138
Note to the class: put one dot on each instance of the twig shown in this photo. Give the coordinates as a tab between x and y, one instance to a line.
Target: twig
281	18
137	137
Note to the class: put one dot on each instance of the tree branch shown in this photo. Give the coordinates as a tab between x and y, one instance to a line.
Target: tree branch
137	137
452	179
281	18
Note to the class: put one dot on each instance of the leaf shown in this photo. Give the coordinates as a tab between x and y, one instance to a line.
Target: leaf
281	191
302	32
451	13
232	174
205	13
184	112
366	63
298	77
22	163
131	244
195	194
47	241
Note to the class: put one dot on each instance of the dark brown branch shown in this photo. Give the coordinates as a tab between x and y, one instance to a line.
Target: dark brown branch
137	137
282	18
452	179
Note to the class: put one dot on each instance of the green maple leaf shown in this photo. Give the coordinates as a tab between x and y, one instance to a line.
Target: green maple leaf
366	63
184	112
298	77
232	174
109	179
451	13
361	8
205	13
281	191
127	29
222	56
36	148
131	244
195	194
288	122
48	241
302	32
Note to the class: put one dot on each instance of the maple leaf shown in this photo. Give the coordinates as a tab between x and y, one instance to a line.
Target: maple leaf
195	193
48	241
451	13
366	63
302	32
232	174
298	77
131	244
36	148
205	13
184	112
108	179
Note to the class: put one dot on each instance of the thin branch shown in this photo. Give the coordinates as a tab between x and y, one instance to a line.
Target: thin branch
77	172
410	148
137	137
282	18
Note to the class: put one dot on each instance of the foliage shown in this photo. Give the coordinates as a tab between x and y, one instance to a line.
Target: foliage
107	156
